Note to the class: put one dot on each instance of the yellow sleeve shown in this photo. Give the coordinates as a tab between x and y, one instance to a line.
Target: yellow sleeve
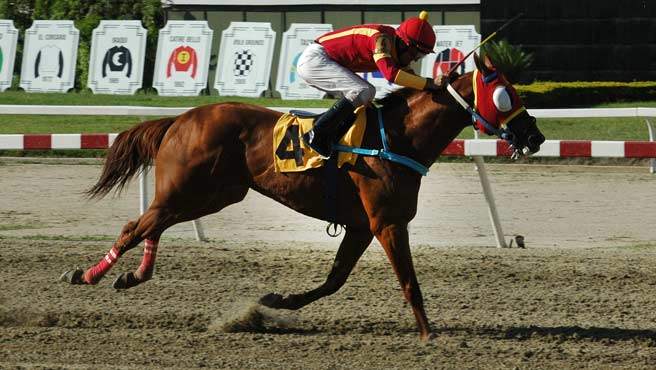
406	79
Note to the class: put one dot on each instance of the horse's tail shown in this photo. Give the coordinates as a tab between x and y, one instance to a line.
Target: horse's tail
132	149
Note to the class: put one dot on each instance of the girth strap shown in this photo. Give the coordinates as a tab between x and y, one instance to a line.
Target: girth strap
330	196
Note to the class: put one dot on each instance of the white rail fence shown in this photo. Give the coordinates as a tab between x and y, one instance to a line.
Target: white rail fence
475	148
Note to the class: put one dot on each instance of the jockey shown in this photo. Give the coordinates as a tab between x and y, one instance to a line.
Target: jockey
331	62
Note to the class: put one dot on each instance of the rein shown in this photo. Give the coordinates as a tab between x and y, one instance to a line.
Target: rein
384	153
475	116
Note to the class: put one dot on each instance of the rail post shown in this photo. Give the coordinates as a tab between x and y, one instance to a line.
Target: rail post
652	137
143	189
489	198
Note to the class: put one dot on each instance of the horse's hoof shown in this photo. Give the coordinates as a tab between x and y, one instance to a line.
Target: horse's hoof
271	300
428	337
126	280
75	277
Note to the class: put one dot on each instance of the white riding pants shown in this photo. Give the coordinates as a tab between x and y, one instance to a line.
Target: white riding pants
317	68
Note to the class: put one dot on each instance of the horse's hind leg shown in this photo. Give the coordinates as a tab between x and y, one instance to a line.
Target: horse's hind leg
149	227
355	242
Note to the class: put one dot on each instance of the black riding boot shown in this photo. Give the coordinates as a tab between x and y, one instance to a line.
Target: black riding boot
321	137
344	126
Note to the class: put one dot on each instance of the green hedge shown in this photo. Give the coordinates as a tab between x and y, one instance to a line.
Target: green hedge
584	94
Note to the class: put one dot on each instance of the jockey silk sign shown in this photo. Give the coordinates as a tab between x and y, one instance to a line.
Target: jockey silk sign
117	57
49	56
183	58
8	38
453	43
289	84
244	63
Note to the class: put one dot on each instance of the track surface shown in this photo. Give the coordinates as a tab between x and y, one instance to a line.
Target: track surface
581	296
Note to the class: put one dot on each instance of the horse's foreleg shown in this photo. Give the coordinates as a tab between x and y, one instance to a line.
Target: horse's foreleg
394	239
349	252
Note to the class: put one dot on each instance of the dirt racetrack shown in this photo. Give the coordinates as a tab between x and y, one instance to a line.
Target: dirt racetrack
581	296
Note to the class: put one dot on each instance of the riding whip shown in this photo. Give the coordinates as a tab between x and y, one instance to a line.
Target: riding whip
484	41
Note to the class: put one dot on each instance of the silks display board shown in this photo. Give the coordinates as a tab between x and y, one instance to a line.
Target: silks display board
49	56
453	43
118	51
244	63
183	58
8	39
289	84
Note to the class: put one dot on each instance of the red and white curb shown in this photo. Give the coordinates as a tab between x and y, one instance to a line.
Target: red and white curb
459	147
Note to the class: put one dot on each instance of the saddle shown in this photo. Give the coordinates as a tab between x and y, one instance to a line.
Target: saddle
292	155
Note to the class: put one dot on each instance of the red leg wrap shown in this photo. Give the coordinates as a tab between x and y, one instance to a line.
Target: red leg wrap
148	261
94	274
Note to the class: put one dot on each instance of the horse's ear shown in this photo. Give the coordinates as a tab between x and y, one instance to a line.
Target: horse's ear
482	65
488	61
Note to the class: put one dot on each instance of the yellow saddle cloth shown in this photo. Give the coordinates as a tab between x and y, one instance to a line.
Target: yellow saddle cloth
292	155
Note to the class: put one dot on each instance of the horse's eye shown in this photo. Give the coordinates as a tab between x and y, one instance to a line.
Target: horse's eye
502	99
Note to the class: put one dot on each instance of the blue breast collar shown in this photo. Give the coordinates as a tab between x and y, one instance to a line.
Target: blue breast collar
384	153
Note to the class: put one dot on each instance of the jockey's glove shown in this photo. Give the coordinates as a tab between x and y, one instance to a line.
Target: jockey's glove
438	83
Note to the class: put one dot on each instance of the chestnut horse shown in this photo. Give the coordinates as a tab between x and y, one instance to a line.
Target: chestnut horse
210	156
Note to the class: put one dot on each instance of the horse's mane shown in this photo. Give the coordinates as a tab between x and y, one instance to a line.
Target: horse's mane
405	93
402	94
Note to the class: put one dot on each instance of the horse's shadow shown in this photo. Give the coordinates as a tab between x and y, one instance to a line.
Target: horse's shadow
593	333
559	333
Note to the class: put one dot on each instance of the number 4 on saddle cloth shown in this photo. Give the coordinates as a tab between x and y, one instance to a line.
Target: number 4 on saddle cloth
292	155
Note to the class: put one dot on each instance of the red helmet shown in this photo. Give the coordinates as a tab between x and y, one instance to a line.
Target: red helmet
418	32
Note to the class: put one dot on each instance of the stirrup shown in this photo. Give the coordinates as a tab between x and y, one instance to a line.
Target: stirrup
324	148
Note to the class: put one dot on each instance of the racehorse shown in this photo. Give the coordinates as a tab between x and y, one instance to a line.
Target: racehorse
209	157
